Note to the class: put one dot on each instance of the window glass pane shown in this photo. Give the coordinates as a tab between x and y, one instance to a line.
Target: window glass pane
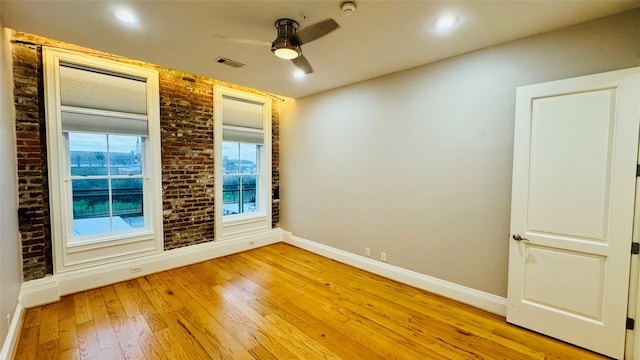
90	206
231	195
230	157
125	155
248	158
126	197
88	154
249	194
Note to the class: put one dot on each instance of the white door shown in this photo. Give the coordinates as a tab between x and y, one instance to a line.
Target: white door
574	164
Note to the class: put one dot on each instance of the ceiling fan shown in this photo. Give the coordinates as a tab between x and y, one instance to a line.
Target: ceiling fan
289	40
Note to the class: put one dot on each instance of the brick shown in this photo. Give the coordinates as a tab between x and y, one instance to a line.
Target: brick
187	155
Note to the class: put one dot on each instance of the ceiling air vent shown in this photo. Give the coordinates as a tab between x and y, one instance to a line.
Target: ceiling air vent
230	62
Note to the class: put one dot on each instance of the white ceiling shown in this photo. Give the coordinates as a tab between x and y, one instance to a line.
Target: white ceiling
381	37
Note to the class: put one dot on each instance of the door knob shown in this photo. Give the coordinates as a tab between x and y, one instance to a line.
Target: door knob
517	237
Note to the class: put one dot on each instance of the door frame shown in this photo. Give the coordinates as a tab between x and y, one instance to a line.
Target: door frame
632	339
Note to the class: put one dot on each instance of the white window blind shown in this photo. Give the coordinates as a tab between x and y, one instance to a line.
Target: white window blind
98	102
242	121
100	121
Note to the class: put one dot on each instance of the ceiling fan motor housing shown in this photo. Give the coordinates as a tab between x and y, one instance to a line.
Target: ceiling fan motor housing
286	45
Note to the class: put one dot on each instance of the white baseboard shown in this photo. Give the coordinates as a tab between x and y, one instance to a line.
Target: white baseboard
49	289
11	341
480	299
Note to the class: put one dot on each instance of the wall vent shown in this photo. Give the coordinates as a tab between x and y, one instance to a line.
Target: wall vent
229	62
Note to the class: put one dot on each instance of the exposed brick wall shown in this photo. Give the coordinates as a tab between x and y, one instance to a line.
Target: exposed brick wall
186	121
275	164
186	118
33	195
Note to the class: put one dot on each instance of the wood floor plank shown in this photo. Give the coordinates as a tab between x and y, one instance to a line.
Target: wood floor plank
136	303
122	325
145	335
227	316
70	354
49	324
261	332
88	345
185	339
32	317
274	302
316	328
296	340
68	336
168	342
48	350
67	308
187	343
82	308
175	301
28	343
260	352
102	322
210	334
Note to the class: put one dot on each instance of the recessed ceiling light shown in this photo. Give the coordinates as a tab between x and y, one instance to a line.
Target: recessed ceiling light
299	74
445	22
126	16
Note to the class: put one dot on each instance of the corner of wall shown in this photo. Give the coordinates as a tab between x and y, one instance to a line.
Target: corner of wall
10	269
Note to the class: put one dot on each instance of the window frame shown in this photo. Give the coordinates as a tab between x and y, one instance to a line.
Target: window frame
72	253
237	225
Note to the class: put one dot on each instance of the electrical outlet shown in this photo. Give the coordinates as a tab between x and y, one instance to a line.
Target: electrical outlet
136	269
367	251
251	243
383	256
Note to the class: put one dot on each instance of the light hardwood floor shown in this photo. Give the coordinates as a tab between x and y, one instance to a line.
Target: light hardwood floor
275	302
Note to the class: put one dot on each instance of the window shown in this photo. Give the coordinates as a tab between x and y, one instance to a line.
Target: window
243	165
107	186
241	178
104	159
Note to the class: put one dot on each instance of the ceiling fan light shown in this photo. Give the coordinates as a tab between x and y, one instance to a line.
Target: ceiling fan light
287	53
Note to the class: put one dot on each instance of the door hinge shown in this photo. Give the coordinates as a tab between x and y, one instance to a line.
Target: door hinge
638	170
631	324
635	248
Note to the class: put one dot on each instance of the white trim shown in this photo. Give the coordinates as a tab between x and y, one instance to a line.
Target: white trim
632	339
244	224
480	299
49	289
11	341
66	256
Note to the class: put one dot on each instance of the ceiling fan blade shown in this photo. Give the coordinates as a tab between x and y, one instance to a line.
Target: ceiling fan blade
302	63
241	40
316	30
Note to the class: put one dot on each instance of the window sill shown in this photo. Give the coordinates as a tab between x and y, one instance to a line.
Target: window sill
232	220
81	245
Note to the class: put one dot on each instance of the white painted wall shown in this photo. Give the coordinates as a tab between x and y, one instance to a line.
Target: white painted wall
10	270
418	164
